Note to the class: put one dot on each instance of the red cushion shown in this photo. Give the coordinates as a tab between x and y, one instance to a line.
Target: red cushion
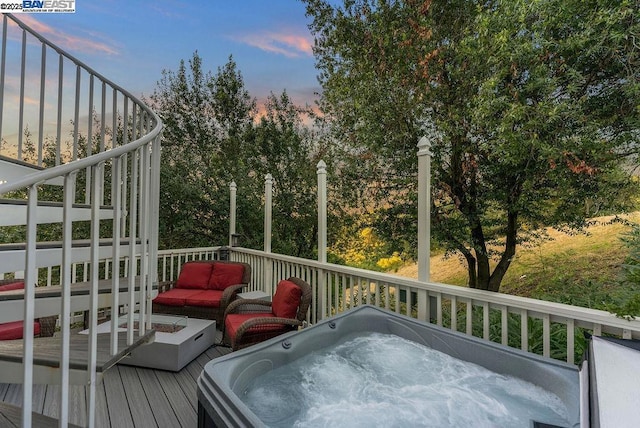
194	275
233	321
175	296
286	300
13	330
226	274
18	285
208	298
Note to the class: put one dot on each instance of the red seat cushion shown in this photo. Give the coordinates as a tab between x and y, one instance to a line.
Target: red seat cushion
208	298
226	274
13	330
286	300
175	296
18	285
194	275
233	321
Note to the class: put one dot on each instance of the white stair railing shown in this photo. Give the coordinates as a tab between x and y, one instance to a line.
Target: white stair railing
111	162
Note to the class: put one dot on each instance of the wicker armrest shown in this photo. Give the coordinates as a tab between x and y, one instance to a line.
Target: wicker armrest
165	286
47	325
234	307
229	294
254	325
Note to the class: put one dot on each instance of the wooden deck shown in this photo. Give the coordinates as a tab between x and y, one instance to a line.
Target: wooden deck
127	397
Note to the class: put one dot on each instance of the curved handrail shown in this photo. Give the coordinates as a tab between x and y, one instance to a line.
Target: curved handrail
60	170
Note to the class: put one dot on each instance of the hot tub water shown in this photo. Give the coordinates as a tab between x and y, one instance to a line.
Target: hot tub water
378	379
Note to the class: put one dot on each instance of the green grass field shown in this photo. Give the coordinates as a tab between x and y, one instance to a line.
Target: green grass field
582	269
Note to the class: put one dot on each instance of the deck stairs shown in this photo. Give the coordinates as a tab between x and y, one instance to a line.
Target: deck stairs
79	224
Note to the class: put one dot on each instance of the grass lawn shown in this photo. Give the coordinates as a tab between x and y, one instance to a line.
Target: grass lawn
581	269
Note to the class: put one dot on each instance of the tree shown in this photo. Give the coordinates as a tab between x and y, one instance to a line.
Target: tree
531	106
205	117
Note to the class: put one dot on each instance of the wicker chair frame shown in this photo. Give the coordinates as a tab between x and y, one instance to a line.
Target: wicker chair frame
261	328
47	324
202	312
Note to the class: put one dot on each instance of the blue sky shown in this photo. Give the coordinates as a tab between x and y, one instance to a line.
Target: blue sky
132	41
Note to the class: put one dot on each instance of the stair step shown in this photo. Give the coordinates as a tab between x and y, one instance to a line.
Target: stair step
13	212
46	356
47	299
47	349
11	415
13	169
49	253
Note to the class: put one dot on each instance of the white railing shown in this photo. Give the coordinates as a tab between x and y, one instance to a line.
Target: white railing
547	328
112	166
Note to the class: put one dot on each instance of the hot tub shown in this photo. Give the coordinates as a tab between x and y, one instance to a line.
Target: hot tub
224	380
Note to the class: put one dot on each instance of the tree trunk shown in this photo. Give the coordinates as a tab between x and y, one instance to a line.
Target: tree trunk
507	256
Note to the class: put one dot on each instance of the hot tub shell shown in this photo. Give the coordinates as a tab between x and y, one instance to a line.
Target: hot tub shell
224	379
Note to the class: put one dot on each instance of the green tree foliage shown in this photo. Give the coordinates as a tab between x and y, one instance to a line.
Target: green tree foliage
532	108
286	148
629	305
205	117
212	137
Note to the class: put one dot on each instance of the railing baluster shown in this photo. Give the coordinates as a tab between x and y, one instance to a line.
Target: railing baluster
59	118
23	72
524	330
76	115
43	77
30	280
3	68
454	313
115	267
504	329
546	335
485	320
65	305
89	149
570	341
96	171
133	220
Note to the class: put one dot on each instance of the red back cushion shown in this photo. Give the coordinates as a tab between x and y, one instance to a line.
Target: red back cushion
286	300
194	275
18	285
226	274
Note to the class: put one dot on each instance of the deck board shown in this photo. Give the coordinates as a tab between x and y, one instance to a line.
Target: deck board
127	397
182	405
141	413
118	408
158	398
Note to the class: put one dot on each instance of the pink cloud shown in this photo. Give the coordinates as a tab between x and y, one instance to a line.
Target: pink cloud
68	41
289	45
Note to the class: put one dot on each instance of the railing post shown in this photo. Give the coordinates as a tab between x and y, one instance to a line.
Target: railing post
233	189
268	209
424	221
322	235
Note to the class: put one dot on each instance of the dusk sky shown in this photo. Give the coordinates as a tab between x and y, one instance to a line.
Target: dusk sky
132	41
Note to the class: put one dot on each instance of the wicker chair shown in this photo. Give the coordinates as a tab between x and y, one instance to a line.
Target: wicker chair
47	325
286	312
199	307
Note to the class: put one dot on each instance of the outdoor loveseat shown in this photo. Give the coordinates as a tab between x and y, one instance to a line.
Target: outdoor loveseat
203	289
